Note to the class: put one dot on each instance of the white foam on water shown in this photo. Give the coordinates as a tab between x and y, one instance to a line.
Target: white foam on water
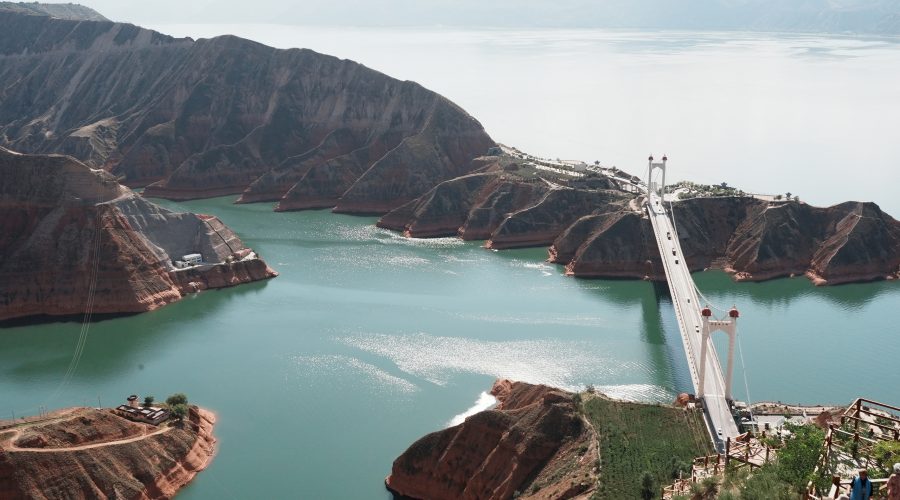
544	268
371	233
557	363
484	402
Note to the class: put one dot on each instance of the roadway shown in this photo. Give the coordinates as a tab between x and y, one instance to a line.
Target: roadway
687	311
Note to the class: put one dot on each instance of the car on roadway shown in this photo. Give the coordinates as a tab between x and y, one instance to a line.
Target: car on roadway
719	433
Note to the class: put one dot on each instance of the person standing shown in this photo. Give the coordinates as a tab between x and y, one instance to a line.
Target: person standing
861	487
893	484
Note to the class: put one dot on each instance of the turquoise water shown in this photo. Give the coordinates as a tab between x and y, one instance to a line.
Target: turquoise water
368	340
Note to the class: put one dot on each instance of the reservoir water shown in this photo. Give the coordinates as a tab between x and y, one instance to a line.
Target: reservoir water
368	340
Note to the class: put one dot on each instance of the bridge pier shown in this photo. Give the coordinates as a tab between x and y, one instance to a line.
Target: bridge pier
729	327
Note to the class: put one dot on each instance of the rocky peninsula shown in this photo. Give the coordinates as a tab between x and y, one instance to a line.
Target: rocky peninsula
545	443
89	453
597	229
75	240
194	119
534	435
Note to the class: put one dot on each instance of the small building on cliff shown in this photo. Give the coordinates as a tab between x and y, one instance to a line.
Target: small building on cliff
147	414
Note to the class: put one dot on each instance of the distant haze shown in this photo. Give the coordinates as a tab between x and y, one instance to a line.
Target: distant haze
861	16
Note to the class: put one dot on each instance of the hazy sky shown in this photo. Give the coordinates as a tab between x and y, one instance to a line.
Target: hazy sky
879	16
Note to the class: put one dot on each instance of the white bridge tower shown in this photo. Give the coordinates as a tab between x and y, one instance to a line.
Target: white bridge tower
710	325
658	187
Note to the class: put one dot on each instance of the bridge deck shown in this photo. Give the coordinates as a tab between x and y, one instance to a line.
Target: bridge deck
687	311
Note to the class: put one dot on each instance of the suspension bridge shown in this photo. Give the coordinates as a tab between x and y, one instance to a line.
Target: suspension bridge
696	321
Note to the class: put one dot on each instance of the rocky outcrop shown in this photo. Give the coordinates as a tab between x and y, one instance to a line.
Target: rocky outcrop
100	455
506	210
191	119
72	240
533	437
597	230
444	210
541	223
610	245
753	239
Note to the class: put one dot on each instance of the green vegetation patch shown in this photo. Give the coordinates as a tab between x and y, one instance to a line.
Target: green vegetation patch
639	438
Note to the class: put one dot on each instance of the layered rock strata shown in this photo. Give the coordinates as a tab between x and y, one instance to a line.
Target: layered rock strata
752	239
534	435
500	206
192	119
98	455
597	230
72	239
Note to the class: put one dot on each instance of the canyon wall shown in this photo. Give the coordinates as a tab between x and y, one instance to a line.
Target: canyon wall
597	230
73	239
752	239
192	119
71	460
533	434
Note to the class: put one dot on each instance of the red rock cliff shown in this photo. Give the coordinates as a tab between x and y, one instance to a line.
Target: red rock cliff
94	454
532	432
69	233
754	240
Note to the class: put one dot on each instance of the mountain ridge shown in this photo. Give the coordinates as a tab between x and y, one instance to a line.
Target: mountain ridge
221	116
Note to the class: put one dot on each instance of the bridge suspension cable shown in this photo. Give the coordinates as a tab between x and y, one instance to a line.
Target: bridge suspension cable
709	303
712	305
89	303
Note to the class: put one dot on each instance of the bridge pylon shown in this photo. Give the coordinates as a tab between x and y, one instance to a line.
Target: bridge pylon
710	325
659	188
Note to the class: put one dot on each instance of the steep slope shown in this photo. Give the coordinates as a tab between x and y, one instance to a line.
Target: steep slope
501	204
95	454
191	119
68	233
535	436
753	239
598	230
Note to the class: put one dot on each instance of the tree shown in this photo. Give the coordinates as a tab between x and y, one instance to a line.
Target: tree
148	400
648	486
179	398
596	162
678	467
788	195
179	411
798	458
886	453
777	196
